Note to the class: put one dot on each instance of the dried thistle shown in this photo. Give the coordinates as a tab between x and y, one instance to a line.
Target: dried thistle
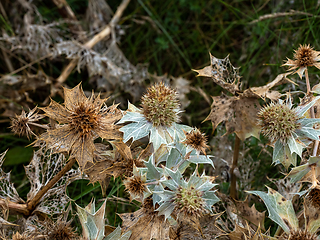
160	105
20	124
196	140
301	235
136	185
82	120
304	57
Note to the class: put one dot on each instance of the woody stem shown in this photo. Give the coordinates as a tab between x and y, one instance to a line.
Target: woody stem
32	203
233	185
312	114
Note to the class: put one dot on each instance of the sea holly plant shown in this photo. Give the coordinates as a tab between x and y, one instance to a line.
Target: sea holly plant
157	117
287	129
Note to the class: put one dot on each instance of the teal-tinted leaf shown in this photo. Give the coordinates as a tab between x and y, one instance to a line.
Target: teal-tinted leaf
136	130
308	132
176	177
278	153
294	146
157	138
132	117
297	173
280	210
174	159
210	199
179	130
152	172
200	159
301	110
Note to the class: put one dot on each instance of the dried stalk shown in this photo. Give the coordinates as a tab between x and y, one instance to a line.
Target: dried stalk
233	185
97	38
32	203
67	13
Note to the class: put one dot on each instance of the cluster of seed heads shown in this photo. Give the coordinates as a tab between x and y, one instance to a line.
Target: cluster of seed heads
160	105
278	121
190	202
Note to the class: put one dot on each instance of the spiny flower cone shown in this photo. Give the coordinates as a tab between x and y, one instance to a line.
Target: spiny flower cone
160	105
20	123
301	235
304	57
196	140
82	120
278	121
189	202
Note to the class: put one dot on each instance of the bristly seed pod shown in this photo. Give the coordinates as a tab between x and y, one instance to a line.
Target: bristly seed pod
160	105
278	121
196	140
301	235
304	57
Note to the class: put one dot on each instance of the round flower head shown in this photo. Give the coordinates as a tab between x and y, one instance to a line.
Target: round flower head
304	57
278	121
288	129
196	140
187	199
160	105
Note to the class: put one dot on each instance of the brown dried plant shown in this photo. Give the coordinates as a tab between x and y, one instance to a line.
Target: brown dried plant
81	121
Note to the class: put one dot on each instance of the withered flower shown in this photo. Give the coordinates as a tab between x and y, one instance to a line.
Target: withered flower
61	230
136	185
304	57
82	120
196	140
20	123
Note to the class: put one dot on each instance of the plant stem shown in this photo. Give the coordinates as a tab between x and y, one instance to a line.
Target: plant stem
233	185
307	82
97	38
32	203
312	114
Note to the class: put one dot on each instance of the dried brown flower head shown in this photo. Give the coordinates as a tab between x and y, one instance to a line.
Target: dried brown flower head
160	105
82	120
196	140
136	185
304	57
20	124
278	121
61	230
314	197
301	235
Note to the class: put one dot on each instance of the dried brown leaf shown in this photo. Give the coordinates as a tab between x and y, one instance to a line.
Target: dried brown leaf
145	224
239	113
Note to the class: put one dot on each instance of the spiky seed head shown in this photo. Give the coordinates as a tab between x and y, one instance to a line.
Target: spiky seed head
84	118
20	123
313	197
160	105
196	140
61	231
303	57
135	185
189	202
301	235
278	121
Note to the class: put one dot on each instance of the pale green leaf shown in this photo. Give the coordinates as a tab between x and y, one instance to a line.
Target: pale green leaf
280	210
